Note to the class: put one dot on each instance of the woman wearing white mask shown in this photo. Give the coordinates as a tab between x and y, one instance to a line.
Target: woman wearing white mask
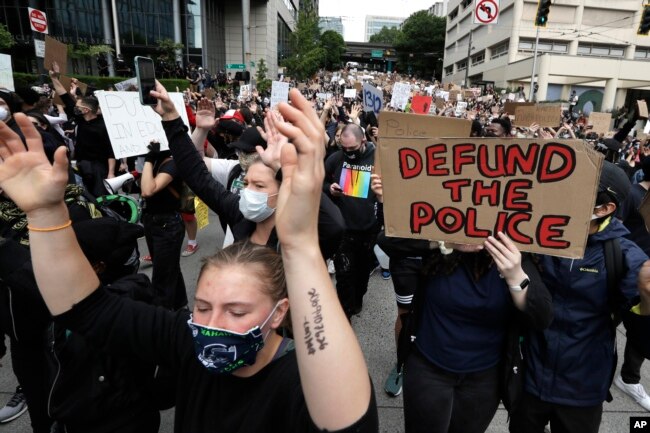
234	373
250	215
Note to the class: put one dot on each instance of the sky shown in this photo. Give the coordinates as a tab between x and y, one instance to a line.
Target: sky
353	12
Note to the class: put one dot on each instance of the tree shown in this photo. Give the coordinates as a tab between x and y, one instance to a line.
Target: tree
84	53
6	39
334	46
421	43
385	36
262	83
168	50
307	56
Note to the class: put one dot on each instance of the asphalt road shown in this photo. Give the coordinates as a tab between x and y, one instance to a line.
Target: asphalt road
374	327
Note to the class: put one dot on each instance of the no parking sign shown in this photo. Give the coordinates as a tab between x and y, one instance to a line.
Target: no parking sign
486	11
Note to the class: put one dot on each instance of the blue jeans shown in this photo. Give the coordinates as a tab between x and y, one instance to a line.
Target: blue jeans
164	234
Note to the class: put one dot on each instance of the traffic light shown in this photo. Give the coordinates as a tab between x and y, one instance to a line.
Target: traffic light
543	8
644	25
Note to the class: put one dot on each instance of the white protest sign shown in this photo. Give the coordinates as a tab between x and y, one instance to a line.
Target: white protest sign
461	107
124	86
39	48
279	93
341	82
373	98
244	91
131	126
350	93
6	73
401	94
323	96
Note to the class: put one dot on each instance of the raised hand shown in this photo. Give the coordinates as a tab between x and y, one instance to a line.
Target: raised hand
205	114
302	173
507	257
165	106
275	141
26	175
377	187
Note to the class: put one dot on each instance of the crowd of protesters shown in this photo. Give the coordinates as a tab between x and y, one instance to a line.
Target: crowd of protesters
267	338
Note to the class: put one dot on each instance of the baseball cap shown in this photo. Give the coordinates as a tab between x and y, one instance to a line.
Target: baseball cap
250	138
614	181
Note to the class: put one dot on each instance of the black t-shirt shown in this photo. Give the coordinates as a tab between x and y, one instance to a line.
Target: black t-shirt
93	143
270	401
633	220
165	201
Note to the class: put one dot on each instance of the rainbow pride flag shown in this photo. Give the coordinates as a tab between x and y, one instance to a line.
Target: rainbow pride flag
355	183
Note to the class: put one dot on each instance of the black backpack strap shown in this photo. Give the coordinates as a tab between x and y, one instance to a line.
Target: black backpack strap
234	174
615	268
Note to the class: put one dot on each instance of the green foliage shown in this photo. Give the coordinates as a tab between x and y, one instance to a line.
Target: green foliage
311	50
334	47
102	83
6	39
82	53
167	49
262	83
421	44
386	36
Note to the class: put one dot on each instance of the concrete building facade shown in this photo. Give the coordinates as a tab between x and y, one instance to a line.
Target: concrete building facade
590	46
331	23
439	9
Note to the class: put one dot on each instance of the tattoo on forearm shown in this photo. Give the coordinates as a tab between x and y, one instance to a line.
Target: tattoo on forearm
319	328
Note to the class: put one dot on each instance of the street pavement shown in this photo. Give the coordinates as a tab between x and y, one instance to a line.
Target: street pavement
374	328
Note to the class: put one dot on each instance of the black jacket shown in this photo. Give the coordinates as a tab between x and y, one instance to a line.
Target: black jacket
226	204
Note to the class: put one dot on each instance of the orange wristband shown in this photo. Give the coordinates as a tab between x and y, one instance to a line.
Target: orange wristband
50	229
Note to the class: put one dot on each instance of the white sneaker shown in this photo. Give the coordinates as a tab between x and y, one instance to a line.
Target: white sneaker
635	391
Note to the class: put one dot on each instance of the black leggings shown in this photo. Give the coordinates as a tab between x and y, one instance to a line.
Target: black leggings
438	401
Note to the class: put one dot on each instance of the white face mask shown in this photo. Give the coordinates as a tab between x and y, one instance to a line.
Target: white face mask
253	205
4	114
594	216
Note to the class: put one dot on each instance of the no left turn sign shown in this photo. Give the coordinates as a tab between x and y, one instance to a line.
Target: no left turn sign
486	11
37	20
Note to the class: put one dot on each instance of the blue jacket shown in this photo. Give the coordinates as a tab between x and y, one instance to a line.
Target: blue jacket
571	362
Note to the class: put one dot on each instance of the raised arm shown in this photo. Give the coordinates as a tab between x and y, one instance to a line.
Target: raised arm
37	188
327	349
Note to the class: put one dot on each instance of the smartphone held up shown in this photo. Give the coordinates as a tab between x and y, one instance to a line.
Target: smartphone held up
146	76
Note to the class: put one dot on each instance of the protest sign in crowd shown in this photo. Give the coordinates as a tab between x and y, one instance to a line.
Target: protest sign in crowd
515	235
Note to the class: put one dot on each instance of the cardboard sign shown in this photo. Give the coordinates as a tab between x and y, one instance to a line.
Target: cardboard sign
373	98
358	86
279	93
67	82
468	94
131	126
510	107
642	107
600	122
400	96
315	87
6	73
440	104
463	190
56	51
421	104
454	95
544	115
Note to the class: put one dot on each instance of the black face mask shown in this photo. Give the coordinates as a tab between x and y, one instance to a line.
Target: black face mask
353	154
78	112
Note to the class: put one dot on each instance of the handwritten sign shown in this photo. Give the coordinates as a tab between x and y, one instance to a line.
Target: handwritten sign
131	126
6	73
350	93
510	107
401	94
461	107
279	93
201	213
421	104
643	109
373	98
244	92
463	190
544	115
600	122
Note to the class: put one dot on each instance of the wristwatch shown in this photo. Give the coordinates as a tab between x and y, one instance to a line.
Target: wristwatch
521	286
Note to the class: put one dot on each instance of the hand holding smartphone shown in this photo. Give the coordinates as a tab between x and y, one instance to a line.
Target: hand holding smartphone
146	77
